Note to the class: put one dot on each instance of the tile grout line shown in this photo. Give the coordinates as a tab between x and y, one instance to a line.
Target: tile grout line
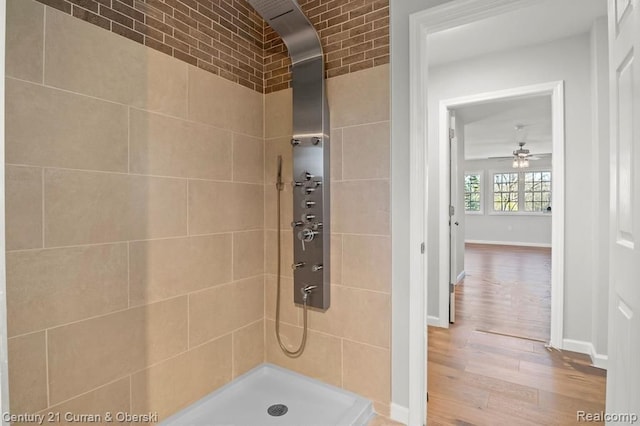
44	42
42	170
128	274
46	350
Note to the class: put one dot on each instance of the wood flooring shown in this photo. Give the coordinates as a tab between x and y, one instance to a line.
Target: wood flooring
480	375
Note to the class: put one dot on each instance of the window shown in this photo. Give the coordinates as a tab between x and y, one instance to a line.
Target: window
505	192
472	184
524	192
537	191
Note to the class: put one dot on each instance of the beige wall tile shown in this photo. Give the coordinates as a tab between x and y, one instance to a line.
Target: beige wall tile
278	114
224	104
113	398
271	253
273	148
46	288
248	159
361	207
223	207
289	312
211	314
166	146
121	70
321	359
367	262
23	204
85	207
49	127
270	207
336	154
248	298
91	353
166	268
360	97
367	371
28	373
222	309
248	348
359	315
366	151
248	254
336	259
172	385
25	39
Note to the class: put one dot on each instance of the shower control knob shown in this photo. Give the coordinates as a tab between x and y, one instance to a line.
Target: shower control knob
296	223
307	235
295	142
294	183
297	265
308	217
316	268
308	190
308	204
316	226
308	176
315	140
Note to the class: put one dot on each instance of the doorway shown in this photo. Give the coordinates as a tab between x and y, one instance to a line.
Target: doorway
444	17
500	198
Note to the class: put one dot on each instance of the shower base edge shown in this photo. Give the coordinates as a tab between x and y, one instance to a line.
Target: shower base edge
245	400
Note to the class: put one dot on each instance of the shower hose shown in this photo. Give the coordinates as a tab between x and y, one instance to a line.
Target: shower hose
296	353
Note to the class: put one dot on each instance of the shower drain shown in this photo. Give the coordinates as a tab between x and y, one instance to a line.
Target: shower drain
277	410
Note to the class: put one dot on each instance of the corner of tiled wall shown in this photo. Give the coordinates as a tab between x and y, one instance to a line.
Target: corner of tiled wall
349	344
141	223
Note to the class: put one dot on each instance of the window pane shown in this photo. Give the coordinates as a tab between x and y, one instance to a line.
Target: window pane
472	192
537	195
505	192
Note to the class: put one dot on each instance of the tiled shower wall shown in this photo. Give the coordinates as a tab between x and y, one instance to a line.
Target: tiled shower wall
135	231
228	38
349	344
224	37
137	244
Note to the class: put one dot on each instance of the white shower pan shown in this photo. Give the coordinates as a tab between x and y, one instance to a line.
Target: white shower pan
247	400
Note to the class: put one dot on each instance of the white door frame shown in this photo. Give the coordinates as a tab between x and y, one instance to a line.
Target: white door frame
421	24
555	89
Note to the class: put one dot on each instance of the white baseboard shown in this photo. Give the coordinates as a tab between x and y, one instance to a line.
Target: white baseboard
399	413
434	321
587	348
460	276
509	243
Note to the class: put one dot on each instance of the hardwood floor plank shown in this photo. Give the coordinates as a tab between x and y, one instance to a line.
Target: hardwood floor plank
478	377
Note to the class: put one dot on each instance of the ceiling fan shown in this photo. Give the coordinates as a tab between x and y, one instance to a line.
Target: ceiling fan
522	155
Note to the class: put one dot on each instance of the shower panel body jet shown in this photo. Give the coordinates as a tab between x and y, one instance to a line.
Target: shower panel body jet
310	143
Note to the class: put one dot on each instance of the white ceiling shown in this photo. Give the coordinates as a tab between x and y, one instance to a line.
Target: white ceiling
490	128
545	21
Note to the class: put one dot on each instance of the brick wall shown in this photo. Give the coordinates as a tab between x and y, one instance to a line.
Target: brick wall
354	36
228	38
224	37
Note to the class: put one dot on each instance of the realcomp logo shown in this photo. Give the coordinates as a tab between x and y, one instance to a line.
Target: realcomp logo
583	416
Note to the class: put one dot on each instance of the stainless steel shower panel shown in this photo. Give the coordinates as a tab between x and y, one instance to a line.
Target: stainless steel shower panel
311	186
311	202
